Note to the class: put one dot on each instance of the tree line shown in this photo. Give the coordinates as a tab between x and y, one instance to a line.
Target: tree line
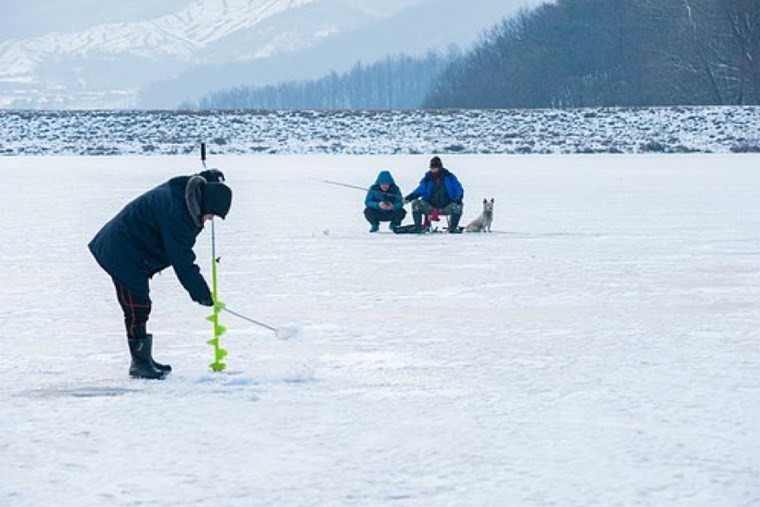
576	53
396	82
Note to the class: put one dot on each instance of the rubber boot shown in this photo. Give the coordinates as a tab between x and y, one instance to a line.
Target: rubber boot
375	226
160	367
417	216
142	365
454	224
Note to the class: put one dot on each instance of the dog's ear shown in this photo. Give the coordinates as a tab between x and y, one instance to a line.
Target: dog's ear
491	200
485	201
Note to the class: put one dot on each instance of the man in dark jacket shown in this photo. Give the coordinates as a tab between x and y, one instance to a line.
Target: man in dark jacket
383	203
439	192
155	231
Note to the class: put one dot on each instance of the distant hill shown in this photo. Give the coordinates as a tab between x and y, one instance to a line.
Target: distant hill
579	53
76	54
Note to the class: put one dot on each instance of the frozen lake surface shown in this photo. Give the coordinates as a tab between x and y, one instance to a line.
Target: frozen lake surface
601	347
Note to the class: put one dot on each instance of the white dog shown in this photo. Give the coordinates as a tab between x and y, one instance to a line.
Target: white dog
483	222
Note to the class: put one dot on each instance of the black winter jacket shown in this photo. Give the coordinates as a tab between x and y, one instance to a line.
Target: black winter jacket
155	231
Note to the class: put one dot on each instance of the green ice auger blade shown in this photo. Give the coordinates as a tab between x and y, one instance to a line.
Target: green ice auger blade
219	330
217	366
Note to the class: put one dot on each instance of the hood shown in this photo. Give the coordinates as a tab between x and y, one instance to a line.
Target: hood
384	178
194	198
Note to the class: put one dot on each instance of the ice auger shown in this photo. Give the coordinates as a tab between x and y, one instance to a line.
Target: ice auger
219	329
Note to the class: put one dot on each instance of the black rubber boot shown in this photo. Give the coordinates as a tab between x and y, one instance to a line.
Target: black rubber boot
160	367
142	364
454	224
417	217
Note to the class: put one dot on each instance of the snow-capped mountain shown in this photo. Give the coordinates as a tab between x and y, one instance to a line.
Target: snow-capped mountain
110	62
178	35
109	65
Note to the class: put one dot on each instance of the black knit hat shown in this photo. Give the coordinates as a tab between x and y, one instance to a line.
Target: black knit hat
217	199
436	162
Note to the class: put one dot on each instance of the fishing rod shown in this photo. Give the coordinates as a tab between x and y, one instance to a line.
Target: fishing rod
347	185
283	332
357	187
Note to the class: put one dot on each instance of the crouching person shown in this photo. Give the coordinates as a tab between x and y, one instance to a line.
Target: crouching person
383	203
157	230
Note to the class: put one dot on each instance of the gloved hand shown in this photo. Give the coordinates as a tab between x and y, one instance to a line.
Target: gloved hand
206	302
213	175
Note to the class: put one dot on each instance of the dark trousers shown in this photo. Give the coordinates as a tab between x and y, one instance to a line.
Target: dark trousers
374	216
136	311
453	209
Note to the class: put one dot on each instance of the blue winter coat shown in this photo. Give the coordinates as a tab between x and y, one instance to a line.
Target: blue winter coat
375	194
425	188
155	231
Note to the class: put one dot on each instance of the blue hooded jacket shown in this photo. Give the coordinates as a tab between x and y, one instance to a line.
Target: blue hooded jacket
425	188
156	230
375	194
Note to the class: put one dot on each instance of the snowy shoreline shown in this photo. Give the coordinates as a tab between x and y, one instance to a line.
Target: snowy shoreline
692	129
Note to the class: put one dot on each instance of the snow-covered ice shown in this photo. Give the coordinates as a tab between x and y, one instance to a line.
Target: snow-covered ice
601	347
